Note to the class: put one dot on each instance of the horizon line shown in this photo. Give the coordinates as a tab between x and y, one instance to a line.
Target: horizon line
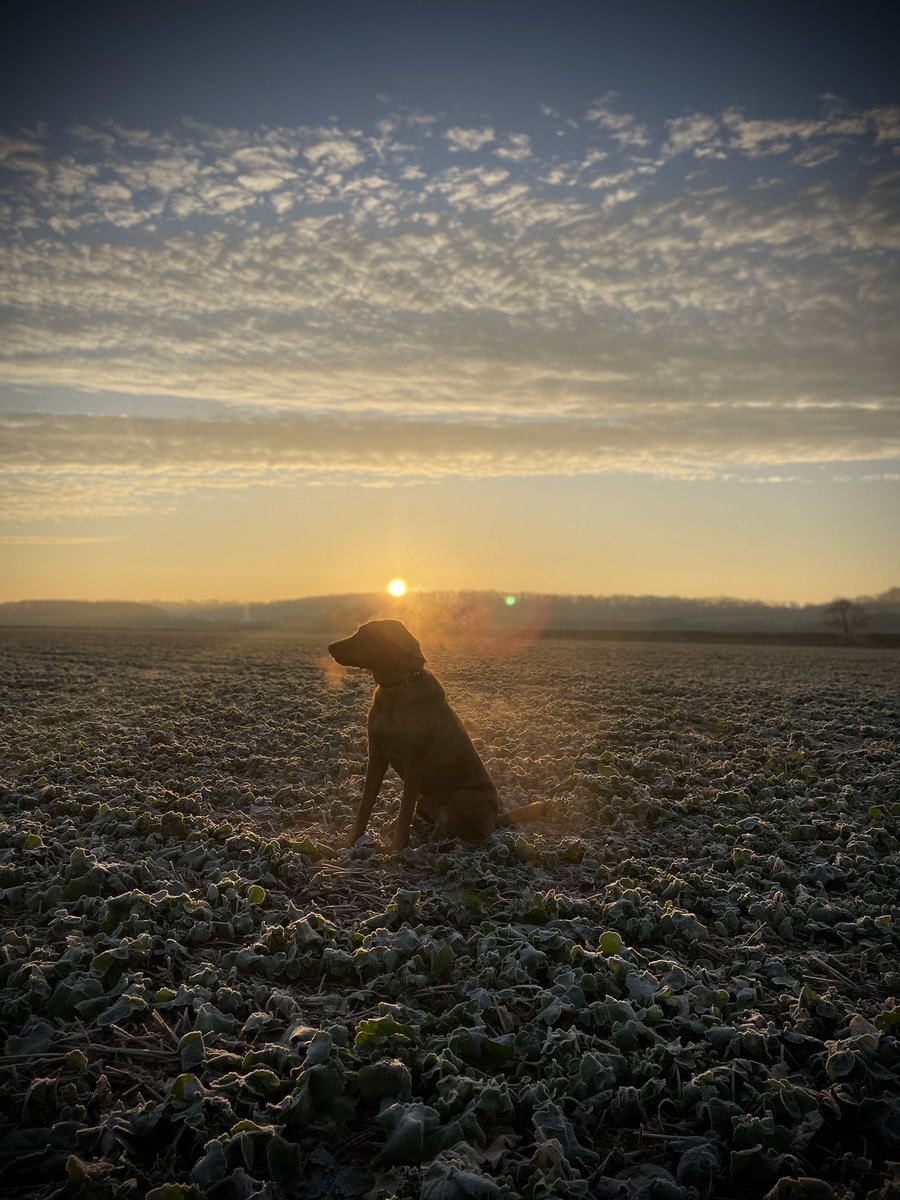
412	593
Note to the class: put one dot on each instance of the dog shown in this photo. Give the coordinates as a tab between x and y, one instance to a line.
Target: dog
413	729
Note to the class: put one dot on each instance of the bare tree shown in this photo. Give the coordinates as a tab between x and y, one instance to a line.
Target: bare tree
846	616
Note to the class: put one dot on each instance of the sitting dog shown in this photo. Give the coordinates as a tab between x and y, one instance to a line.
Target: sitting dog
413	729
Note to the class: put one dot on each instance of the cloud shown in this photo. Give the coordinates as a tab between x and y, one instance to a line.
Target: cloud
516	148
263	181
610	181
649	291
22	154
106	465
756	138
814	156
886	121
622	127
338	152
838	126
468	139
698	133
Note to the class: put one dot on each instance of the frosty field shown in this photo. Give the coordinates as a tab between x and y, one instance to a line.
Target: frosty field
680	985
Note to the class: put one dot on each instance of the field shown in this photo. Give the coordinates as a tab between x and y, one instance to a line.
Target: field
680	985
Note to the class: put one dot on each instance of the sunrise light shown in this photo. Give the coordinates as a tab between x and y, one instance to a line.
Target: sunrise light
397	587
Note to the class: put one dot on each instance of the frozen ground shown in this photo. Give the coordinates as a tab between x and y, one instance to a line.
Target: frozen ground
682	985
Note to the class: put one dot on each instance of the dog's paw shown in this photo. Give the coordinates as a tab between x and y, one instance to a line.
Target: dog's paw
357	841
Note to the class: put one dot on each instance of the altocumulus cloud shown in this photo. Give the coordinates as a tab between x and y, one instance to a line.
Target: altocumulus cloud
415	300
82	465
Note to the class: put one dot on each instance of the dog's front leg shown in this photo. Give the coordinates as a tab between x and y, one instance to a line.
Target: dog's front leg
376	767
407	808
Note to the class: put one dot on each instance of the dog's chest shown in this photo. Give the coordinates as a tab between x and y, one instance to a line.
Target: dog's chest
394	735
413	732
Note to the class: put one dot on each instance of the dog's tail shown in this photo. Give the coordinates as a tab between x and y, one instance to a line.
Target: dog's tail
525	812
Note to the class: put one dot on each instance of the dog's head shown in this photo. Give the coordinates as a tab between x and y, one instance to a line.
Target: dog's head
386	648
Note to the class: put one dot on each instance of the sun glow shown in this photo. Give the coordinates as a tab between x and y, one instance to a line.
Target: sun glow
397	587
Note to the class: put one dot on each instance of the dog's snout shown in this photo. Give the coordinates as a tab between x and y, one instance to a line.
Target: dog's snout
338	651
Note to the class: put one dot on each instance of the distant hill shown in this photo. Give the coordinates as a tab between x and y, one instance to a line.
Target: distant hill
490	611
96	613
466	612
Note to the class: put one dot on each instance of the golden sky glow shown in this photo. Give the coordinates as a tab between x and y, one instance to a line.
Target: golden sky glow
608	535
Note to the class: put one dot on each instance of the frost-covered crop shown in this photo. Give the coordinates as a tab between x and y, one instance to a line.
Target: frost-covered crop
681	985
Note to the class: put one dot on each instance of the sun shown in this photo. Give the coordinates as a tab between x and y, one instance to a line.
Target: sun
397	587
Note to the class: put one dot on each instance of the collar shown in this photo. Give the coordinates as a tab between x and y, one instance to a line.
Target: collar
412	677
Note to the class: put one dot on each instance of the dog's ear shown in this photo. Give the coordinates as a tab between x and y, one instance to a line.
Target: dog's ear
398	637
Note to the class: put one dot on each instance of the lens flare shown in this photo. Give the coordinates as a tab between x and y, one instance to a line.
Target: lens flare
509	601
397	587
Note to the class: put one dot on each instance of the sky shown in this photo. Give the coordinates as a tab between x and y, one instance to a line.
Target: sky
583	297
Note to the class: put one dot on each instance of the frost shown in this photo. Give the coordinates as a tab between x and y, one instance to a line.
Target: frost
681	983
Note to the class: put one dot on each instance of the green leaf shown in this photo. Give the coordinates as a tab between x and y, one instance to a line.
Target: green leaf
192	1050
388	1077
113	959
373	1029
247	1126
76	1170
173	1191
842	1063
283	1159
211	1168
803	1188
888	1020
79	863
186	1088
698	1168
610	943
325	1083
441	960
311	849
406	1125
319	1049
444	1181
808	998
126	1006
262	1081
753	1169
35	1038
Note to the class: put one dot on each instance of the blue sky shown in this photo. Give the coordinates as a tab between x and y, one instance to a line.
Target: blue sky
294	63
262	257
